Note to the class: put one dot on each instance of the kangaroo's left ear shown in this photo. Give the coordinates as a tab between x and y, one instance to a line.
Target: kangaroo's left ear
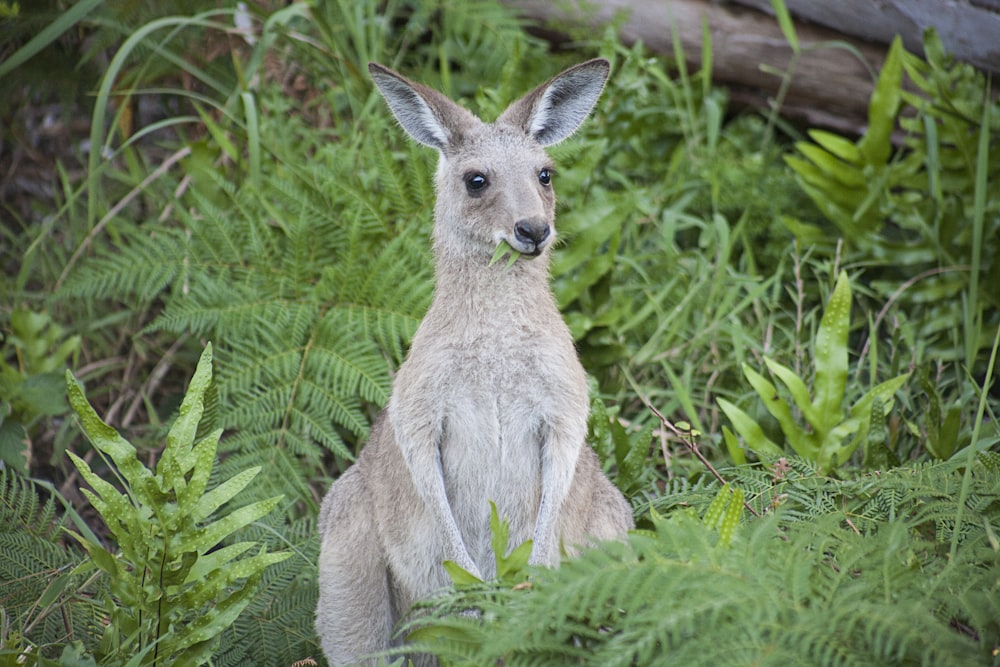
557	108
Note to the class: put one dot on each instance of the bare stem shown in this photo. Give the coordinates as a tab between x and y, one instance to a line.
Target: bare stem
687	437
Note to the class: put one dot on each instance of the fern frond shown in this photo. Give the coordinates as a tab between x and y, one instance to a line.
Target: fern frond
39	590
921	493
30	544
142	264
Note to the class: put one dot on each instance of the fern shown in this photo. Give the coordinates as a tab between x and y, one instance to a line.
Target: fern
174	587
313	286
832	590
29	533
39	598
153	262
922	493
276	627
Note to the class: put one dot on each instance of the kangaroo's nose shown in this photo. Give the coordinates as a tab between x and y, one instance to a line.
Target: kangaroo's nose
531	231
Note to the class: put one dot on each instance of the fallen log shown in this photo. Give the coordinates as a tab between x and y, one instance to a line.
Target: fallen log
969	29
832	77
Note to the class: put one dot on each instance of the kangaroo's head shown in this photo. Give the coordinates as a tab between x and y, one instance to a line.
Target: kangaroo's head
494	180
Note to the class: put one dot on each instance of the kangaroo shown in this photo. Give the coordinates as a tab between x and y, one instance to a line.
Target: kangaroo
491	402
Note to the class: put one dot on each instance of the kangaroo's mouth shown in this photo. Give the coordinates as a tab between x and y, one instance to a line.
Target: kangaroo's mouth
529	251
509	251
535	253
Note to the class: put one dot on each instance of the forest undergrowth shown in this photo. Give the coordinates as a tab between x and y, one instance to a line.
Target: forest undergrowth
791	337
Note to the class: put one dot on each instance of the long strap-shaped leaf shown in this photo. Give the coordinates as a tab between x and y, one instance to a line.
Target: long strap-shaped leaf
830	356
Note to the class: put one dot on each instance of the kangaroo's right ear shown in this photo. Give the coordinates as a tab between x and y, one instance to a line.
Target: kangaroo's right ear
426	115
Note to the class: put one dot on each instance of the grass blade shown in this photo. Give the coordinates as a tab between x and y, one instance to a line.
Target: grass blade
48	35
973	310
785	23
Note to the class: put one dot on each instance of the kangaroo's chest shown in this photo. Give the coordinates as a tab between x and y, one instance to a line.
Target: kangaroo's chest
499	404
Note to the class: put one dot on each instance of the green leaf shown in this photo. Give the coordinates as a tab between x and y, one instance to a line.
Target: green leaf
193	495
948	435
838	209
592	250
459	575
209	536
632	467
167	588
253	134
863	409
837	145
736	452
750	431
174	463
832	451
876	145
620	439
878	432
843	173
780	410
452	634
732	516
223	493
215	560
13	445
219	136
796	387
43	394
599	425
512	565
714	512
725	512
837	201
503	248
509	566
104	560
75	655
53	590
108	440
831	356
193	643
499	532
216	581
119	513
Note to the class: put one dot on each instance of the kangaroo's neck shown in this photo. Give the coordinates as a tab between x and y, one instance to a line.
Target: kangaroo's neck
471	288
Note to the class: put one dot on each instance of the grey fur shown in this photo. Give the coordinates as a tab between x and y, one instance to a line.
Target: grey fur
491	403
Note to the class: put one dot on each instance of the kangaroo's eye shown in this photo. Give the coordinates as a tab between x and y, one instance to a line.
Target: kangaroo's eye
475	182
545	177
